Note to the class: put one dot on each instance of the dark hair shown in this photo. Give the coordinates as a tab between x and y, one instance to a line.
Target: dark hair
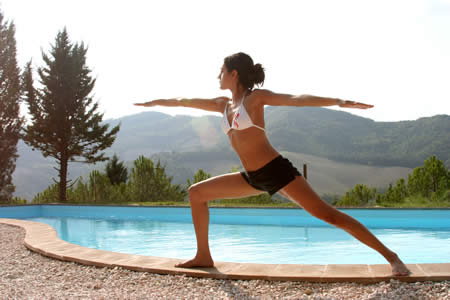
249	74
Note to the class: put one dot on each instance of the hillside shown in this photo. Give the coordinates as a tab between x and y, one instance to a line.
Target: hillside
344	137
340	149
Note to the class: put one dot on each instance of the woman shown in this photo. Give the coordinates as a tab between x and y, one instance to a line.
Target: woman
266	170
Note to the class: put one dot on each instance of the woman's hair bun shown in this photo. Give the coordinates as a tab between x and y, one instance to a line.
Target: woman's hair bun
259	75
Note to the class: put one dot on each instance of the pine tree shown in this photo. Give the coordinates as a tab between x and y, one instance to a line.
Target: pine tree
116	171
65	122
427	179
10	120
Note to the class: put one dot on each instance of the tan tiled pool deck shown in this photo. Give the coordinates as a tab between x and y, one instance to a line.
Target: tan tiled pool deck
43	239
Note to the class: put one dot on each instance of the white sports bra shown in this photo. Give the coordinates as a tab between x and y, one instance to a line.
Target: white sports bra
241	120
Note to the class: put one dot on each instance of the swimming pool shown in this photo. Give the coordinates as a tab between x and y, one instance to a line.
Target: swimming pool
247	235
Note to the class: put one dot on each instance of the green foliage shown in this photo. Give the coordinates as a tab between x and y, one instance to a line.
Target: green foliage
418	201
116	171
10	120
360	195
198	177
149	182
428	183
65	122
18	200
81	193
430	179
100	187
15	201
49	195
401	190
394	195
141	177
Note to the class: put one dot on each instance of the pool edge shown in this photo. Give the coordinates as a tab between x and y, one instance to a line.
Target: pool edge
43	239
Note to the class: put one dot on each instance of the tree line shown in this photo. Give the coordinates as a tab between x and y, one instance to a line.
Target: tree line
147	182
428	185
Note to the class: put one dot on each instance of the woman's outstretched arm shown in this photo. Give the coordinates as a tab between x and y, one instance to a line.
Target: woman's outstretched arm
216	104
270	98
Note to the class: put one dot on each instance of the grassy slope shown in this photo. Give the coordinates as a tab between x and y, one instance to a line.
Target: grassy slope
331	177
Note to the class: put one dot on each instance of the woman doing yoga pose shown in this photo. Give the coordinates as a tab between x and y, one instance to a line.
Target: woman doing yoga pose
265	169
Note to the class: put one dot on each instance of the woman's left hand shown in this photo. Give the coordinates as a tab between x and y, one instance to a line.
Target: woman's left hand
353	104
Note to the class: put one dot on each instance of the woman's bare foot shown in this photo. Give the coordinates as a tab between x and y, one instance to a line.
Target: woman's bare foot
398	267
197	262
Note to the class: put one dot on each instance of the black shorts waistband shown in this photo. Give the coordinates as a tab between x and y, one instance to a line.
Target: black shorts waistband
269	165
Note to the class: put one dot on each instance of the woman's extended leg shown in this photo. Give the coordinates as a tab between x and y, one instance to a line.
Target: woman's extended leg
221	187
300	192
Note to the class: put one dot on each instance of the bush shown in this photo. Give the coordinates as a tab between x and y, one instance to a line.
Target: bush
149	182
18	200
49	195
360	195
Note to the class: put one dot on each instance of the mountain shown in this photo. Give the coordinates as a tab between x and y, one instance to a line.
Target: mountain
341	149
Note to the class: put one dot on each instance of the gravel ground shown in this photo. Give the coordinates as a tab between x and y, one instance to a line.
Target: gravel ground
28	275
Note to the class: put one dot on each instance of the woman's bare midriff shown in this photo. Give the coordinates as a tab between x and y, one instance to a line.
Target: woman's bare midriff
252	147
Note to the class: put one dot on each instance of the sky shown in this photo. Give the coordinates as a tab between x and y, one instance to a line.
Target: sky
394	54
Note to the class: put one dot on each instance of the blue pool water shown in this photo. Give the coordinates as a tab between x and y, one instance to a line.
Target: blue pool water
247	235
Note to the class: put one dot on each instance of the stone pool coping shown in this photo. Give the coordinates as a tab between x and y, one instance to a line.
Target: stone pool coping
43	239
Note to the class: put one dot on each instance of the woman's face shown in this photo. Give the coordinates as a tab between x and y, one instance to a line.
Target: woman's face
225	78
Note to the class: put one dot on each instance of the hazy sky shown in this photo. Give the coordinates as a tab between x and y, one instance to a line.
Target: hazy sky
393	54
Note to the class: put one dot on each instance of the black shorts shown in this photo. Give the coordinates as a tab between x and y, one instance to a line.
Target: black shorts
273	176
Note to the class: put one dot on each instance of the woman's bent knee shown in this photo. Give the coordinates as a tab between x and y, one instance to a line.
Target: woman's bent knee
195	194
